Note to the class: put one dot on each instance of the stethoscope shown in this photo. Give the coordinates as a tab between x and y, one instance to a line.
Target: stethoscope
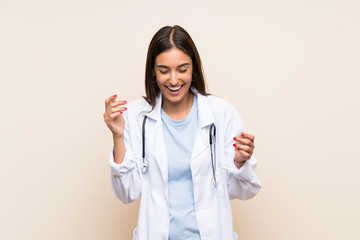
212	138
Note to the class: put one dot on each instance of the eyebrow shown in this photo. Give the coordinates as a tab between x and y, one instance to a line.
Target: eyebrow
164	66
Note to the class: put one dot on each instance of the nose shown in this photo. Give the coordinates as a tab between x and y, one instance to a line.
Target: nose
173	79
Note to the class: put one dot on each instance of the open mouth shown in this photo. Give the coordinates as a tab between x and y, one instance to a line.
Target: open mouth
175	89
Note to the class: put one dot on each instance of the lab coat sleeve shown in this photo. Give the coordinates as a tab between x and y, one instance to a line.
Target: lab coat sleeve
126	177
242	183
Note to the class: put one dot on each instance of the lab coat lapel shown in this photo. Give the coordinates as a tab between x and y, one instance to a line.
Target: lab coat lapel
206	118
159	143
160	151
201	143
205	113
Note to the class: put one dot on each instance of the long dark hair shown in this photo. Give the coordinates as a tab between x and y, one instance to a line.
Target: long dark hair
165	39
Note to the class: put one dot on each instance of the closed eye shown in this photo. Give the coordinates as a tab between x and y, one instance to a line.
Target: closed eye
163	69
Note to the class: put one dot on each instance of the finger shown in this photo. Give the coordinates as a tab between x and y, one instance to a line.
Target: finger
110	117
245	155
248	136
243	135
114	115
244	141
117	109
244	148
110	99
118	103
107	116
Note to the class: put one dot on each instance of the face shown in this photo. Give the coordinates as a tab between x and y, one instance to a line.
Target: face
173	71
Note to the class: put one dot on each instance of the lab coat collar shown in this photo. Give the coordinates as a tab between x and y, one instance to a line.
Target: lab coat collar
205	114
155	113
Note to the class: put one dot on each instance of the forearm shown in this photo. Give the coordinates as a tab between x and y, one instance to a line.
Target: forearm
119	149
243	183
125	176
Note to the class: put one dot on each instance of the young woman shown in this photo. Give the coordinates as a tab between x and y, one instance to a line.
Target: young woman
182	150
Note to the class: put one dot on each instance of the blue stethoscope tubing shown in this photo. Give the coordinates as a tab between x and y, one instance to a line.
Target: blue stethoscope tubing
212	137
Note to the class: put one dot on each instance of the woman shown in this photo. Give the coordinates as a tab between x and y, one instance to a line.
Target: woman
197	154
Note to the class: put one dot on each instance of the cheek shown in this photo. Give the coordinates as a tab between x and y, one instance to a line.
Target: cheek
188	76
160	79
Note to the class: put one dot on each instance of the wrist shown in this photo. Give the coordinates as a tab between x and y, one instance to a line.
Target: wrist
239	164
118	136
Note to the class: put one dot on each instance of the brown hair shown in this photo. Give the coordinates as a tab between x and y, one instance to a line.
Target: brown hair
165	39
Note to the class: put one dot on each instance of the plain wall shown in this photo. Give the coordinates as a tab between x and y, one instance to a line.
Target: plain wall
291	68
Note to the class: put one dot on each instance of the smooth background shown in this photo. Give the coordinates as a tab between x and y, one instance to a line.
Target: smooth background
291	68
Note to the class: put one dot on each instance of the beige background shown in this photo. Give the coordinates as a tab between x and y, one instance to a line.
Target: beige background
291	68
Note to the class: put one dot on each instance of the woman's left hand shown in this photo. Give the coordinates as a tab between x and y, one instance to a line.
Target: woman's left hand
244	148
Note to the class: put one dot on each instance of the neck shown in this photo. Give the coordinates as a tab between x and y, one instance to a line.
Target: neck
179	110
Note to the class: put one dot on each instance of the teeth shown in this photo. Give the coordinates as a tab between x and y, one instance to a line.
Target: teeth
174	88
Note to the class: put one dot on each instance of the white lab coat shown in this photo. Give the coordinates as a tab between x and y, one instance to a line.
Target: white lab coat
212	203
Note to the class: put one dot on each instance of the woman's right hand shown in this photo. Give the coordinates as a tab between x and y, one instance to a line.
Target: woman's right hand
113	115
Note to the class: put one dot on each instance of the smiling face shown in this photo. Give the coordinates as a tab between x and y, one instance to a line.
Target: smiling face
173	71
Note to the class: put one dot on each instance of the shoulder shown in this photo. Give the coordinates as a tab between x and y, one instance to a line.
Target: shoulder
218	101
223	111
227	119
219	105
137	106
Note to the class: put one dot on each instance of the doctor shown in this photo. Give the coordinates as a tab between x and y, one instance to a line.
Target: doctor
185	152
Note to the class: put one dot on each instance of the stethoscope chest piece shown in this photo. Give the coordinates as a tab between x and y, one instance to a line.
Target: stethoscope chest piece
145	166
